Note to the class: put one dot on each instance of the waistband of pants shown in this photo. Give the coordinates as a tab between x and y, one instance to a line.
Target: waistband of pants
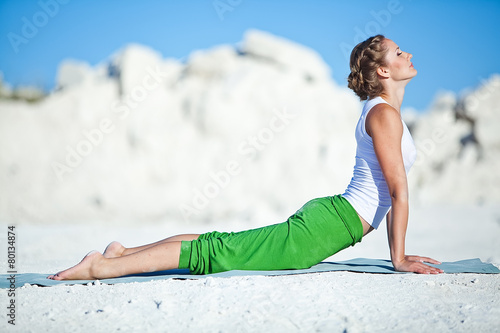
349	216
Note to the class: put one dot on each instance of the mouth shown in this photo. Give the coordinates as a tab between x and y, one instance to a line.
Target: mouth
411	65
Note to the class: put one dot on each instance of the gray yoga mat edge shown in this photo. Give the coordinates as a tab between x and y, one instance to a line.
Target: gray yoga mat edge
360	265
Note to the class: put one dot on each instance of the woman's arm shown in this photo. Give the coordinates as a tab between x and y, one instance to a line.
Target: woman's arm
384	125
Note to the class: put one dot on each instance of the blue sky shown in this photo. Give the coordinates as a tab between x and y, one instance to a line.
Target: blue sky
455	44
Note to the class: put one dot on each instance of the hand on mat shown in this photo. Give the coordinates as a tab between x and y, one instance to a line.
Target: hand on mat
416	264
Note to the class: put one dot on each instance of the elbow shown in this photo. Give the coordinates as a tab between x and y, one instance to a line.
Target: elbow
400	195
398	188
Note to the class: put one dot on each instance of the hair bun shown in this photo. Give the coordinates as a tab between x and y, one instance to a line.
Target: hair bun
366	57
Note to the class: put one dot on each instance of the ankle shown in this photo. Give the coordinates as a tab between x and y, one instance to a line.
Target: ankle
97	267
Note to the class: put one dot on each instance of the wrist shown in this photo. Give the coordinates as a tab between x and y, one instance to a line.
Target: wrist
398	260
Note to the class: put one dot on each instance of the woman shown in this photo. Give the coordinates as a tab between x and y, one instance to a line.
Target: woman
380	71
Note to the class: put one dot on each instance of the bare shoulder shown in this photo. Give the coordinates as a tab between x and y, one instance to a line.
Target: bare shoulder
383	118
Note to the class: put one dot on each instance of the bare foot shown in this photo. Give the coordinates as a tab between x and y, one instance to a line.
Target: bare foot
82	270
113	250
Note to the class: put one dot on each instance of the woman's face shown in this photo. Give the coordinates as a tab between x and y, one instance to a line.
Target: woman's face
398	62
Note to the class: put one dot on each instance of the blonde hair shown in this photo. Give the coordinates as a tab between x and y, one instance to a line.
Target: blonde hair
366	57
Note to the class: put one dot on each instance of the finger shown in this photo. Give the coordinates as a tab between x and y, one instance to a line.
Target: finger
423	259
425	269
433	270
430	260
412	258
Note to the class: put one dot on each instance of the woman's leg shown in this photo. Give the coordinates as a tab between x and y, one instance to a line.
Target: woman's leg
315	232
162	256
116	249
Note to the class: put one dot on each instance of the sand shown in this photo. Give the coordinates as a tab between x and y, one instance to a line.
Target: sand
117	157
321	302
324	302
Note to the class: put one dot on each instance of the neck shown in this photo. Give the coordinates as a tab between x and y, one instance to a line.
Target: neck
394	95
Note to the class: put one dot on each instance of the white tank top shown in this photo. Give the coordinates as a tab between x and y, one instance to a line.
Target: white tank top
368	192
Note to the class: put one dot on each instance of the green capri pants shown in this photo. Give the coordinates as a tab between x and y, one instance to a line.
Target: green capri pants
319	229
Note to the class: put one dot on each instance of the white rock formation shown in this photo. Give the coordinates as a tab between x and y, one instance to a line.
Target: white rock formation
5	88
286	54
459	148
247	134
73	73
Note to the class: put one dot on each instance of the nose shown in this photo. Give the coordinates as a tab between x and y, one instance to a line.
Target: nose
410	56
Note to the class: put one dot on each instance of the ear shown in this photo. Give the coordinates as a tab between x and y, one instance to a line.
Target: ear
381	71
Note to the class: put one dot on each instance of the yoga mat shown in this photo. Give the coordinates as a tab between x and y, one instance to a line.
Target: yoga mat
360	265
